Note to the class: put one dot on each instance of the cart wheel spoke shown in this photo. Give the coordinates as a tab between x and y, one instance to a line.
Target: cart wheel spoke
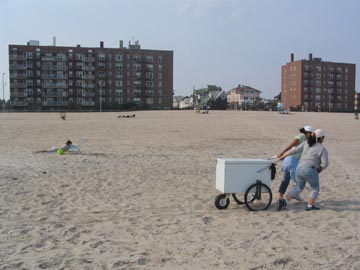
258	201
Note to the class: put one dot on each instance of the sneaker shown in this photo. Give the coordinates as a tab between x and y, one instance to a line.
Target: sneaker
312	208
281	204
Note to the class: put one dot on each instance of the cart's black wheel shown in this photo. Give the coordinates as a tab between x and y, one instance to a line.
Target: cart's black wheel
238	197
222	201
258	197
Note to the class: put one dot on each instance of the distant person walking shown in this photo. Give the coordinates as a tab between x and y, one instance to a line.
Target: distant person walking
290	163
314	159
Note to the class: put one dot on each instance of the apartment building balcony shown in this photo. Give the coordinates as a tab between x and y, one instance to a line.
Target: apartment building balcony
54	77
55	103
19	103
88	94
89	77
89	59
55	94
43	67
61	58
47	58
55	85
89	68
18	85
12	66
17	94
19	76
88	103
16	57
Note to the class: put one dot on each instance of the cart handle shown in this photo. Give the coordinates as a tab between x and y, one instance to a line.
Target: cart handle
267	167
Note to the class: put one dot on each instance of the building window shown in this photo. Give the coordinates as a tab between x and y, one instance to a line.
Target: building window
119	92
118	57
137	67
136	58
79	56
149	101
137	75
118	66
137	84
149	75
149	92
101	56
27	55
118	83
119	100
80	66
148	58
79	74
119	74
149	67
149	84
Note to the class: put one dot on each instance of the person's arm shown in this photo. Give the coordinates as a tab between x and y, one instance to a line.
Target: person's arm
293	143
324	160
298	149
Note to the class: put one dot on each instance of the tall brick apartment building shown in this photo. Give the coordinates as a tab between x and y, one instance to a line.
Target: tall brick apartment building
316	85
54	78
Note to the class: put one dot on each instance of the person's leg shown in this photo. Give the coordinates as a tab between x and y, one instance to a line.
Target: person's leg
284	183
315	188
301	176
39	151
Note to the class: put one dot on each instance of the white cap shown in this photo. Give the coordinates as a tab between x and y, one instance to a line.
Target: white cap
319	133
309	129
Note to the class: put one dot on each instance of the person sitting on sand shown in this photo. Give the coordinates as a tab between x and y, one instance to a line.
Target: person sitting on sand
314	159
64	148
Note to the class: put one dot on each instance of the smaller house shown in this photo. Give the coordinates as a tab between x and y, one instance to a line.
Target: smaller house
242	95
176	101
186	103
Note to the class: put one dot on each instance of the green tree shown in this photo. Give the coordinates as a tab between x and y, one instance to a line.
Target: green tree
217	104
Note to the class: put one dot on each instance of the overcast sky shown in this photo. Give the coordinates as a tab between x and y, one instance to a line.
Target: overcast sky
221	42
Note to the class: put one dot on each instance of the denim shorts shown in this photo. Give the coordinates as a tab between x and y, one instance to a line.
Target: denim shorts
306	175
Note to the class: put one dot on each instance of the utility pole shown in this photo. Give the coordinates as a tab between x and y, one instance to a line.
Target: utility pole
3	85
100	89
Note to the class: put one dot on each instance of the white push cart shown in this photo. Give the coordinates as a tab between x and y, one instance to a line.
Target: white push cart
246	180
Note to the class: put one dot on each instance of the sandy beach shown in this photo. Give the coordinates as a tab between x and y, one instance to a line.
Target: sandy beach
141	193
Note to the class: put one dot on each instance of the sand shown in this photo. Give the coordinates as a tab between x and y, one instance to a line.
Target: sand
141	193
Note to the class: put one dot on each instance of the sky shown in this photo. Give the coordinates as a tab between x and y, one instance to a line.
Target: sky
215	42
